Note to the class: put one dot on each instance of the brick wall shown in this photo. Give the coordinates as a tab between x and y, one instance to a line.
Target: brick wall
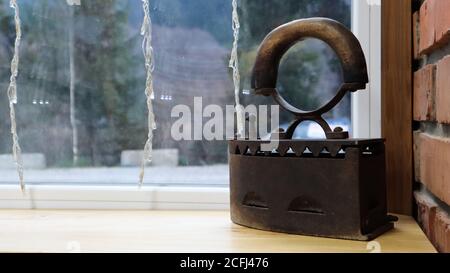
432	120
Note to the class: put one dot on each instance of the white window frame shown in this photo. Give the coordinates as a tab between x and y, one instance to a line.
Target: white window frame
366	122
366	104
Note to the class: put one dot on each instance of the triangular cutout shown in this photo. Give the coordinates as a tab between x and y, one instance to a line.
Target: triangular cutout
237	150
334	150
298	149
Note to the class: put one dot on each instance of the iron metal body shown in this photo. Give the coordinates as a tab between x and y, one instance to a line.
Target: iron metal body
332	188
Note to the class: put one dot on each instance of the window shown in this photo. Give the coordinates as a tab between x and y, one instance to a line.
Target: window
86	61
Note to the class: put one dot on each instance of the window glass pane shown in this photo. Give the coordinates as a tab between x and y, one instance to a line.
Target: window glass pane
94	51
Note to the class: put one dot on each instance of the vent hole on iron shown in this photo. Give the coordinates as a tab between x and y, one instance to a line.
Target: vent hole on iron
254	200
304	204
368	151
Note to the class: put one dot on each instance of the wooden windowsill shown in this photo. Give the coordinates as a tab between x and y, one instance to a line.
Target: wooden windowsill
173	231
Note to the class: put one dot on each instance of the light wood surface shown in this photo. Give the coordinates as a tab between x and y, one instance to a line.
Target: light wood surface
174	231
396	102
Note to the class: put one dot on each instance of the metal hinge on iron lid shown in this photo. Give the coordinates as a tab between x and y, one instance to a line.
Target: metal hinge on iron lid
333	187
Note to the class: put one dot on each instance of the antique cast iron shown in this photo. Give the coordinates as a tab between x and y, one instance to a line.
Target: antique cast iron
331	188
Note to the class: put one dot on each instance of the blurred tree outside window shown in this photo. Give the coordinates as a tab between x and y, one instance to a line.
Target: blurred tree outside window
88	58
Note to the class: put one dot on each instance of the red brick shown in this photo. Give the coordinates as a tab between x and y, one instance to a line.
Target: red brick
442	231
434	221
427	30
442	22
426	214
424	92
435	165
443	91
416	34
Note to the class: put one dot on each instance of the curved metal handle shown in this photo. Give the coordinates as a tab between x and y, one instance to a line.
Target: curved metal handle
280	40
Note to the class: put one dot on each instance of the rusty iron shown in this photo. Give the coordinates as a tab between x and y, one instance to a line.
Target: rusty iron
331	188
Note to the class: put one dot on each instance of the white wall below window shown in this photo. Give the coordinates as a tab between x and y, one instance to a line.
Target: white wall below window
115	197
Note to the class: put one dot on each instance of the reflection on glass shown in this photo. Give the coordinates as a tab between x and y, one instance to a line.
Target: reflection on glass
192	43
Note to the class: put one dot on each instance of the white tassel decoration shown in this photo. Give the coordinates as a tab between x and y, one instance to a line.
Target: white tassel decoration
147	48
234	64
12	95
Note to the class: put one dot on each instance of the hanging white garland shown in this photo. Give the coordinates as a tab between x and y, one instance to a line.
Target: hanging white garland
147	48
146	32
234	64
12	94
